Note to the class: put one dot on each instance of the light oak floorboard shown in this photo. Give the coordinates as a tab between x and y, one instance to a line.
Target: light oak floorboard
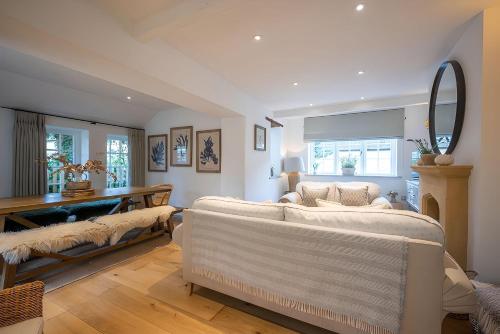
147	295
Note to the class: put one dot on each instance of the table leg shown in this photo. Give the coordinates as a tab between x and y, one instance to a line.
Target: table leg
23	221
2	223
8	276
122	206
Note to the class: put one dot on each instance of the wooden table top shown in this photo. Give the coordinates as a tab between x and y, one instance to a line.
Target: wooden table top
19	204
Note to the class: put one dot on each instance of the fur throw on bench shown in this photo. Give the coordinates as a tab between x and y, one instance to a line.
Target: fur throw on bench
16	247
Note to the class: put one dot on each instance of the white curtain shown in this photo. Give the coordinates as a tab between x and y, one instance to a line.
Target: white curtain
30	155
136	157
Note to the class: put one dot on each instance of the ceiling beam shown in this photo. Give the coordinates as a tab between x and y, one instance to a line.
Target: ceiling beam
161	22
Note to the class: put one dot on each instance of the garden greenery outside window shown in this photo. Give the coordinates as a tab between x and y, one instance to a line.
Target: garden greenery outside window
374	157
117	161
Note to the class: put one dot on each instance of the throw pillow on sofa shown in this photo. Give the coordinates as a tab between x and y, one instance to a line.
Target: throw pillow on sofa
331	204
353	196
309	195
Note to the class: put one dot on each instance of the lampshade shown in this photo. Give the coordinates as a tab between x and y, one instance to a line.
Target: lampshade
294	164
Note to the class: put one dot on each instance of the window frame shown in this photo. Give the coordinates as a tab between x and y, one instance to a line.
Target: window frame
109	153
395	144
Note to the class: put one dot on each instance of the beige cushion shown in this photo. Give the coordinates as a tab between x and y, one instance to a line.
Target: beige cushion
32	326
353	196
392	222
241	208
330	204
373	188
309	195
458	292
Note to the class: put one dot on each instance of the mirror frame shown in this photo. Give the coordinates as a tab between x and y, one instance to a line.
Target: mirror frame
460	112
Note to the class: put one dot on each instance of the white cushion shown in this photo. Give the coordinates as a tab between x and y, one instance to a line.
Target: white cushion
241	208
459	295
32	326
177	235
392	222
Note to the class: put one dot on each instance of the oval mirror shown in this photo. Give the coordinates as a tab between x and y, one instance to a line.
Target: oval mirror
447	107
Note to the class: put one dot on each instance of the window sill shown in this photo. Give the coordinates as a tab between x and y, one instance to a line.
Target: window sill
355	176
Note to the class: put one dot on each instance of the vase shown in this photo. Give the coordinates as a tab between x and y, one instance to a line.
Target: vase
78	185
428	159
444	160
348	171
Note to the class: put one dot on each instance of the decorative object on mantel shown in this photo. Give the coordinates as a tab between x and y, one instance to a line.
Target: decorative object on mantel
444	160
293	166
444	196
392	196
427	154
76	175
157	153
348	165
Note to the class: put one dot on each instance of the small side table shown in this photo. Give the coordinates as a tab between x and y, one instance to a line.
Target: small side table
170	222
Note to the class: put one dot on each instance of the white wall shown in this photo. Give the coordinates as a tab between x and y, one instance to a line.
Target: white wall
188	184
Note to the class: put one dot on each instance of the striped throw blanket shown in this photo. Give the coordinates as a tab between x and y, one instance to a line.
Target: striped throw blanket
354	278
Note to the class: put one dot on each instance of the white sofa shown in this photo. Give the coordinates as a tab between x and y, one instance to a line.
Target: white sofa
423	307
374	196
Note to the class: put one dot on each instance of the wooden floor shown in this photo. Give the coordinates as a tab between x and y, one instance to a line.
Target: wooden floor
147	295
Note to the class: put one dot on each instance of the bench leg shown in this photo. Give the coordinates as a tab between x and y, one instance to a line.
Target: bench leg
8	275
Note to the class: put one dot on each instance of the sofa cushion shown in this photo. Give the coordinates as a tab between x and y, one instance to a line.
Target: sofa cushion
331	204
373	189
241	208
353	196
333	195
309	195
392	222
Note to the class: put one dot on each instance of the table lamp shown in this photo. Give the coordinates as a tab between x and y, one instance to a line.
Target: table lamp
292	166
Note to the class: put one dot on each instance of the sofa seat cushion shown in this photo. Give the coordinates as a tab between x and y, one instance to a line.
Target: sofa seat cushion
238	207
31	326
392	222
459	295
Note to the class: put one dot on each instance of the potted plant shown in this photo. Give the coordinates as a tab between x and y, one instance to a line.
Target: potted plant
348	165
427	154
315	167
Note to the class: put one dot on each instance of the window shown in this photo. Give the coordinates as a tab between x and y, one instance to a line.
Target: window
117	161
58	142
375	157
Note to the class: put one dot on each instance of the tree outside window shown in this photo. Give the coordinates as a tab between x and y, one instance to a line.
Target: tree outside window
117	161
58	143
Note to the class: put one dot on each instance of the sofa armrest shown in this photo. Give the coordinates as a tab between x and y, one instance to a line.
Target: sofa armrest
293	197
21	303
382	201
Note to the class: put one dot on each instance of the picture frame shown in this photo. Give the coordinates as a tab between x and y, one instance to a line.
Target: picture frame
260	139
209	151
181	146
157	153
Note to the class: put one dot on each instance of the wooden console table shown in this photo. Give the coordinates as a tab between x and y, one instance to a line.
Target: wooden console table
11	207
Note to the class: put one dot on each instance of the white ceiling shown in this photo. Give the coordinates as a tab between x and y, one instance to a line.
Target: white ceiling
321	44
27	82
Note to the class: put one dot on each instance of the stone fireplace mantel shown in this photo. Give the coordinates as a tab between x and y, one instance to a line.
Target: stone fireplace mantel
444	196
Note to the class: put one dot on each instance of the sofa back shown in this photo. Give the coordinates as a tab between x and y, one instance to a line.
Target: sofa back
238	207
380	221
373	188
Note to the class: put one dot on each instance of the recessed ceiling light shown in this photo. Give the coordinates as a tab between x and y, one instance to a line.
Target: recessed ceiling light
362	97
295	83
310	104
257	37
129	97
361	72
360	7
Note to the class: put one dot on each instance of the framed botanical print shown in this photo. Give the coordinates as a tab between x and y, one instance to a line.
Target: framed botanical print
157	153
208	151
259	138
181	146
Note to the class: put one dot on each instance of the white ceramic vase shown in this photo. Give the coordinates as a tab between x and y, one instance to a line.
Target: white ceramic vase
444	160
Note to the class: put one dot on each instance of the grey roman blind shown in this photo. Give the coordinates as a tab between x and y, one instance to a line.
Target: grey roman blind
363	125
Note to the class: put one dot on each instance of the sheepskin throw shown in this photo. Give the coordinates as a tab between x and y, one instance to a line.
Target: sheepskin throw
121	223
17	246
351	277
